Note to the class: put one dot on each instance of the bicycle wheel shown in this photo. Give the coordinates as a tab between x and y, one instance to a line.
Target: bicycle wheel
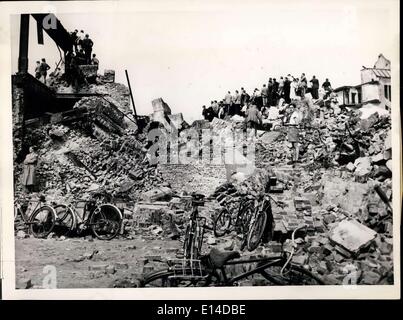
256	231
292	275
65	221
243	221
106	221
42	221
166	278
222	223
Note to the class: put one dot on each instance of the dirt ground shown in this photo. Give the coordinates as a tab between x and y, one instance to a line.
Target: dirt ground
87	262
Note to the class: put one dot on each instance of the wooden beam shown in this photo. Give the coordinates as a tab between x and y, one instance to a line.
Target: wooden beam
24	37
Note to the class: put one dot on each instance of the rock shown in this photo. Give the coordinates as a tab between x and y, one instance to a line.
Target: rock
110	269
350	166
363	169
89	255
381	172
389	165
22	235
157	230
370	277
352	235
155	194
378	159
329	218
338	258
387	154
299	259
93	187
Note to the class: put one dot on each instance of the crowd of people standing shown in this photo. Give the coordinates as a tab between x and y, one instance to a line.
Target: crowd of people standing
79	54
285	92
274	93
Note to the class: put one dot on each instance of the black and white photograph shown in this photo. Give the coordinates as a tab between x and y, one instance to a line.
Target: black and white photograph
192	144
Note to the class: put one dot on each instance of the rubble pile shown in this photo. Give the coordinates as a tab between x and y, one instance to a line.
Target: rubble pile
74	164
348	227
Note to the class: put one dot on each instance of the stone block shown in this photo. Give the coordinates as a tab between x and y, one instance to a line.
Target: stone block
352	235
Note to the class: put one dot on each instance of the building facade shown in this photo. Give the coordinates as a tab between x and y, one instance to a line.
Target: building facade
374	90
376	84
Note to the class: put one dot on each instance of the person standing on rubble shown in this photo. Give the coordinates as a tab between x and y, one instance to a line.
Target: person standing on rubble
94	60
87	44
253	118
43	69
74	37
79	40
274	94
280	90
244	97
315	88
38	70
228	103
293	89
29	174
265	94
327	87
237	102
221	111
287	90
216	108
293	132
304	85
204	113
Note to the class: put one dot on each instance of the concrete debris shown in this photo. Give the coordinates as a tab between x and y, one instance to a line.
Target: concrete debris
352	235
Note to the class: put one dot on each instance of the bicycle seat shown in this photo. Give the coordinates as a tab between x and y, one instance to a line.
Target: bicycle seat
219	258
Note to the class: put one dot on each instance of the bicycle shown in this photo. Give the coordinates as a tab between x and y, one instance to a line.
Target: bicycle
42	220
223	224
210	270
104	219
261	221
194	233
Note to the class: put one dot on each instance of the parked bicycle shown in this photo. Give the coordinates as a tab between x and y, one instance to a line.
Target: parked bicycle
234	216
42	219
194	233
212	270
103	219
253	221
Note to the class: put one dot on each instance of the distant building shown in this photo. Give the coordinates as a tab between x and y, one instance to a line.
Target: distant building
375	84
349	96
374	90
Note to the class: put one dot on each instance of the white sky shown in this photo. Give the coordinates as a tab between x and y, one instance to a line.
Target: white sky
190	57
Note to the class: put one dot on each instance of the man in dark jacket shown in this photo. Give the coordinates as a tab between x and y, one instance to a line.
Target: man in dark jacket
43	69
74	38
87	46
287	87
274	94
244	97
315	88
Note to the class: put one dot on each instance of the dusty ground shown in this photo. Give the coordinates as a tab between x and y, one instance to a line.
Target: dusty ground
82	263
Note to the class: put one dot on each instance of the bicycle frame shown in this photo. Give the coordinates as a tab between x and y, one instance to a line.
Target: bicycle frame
267	263
23	214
